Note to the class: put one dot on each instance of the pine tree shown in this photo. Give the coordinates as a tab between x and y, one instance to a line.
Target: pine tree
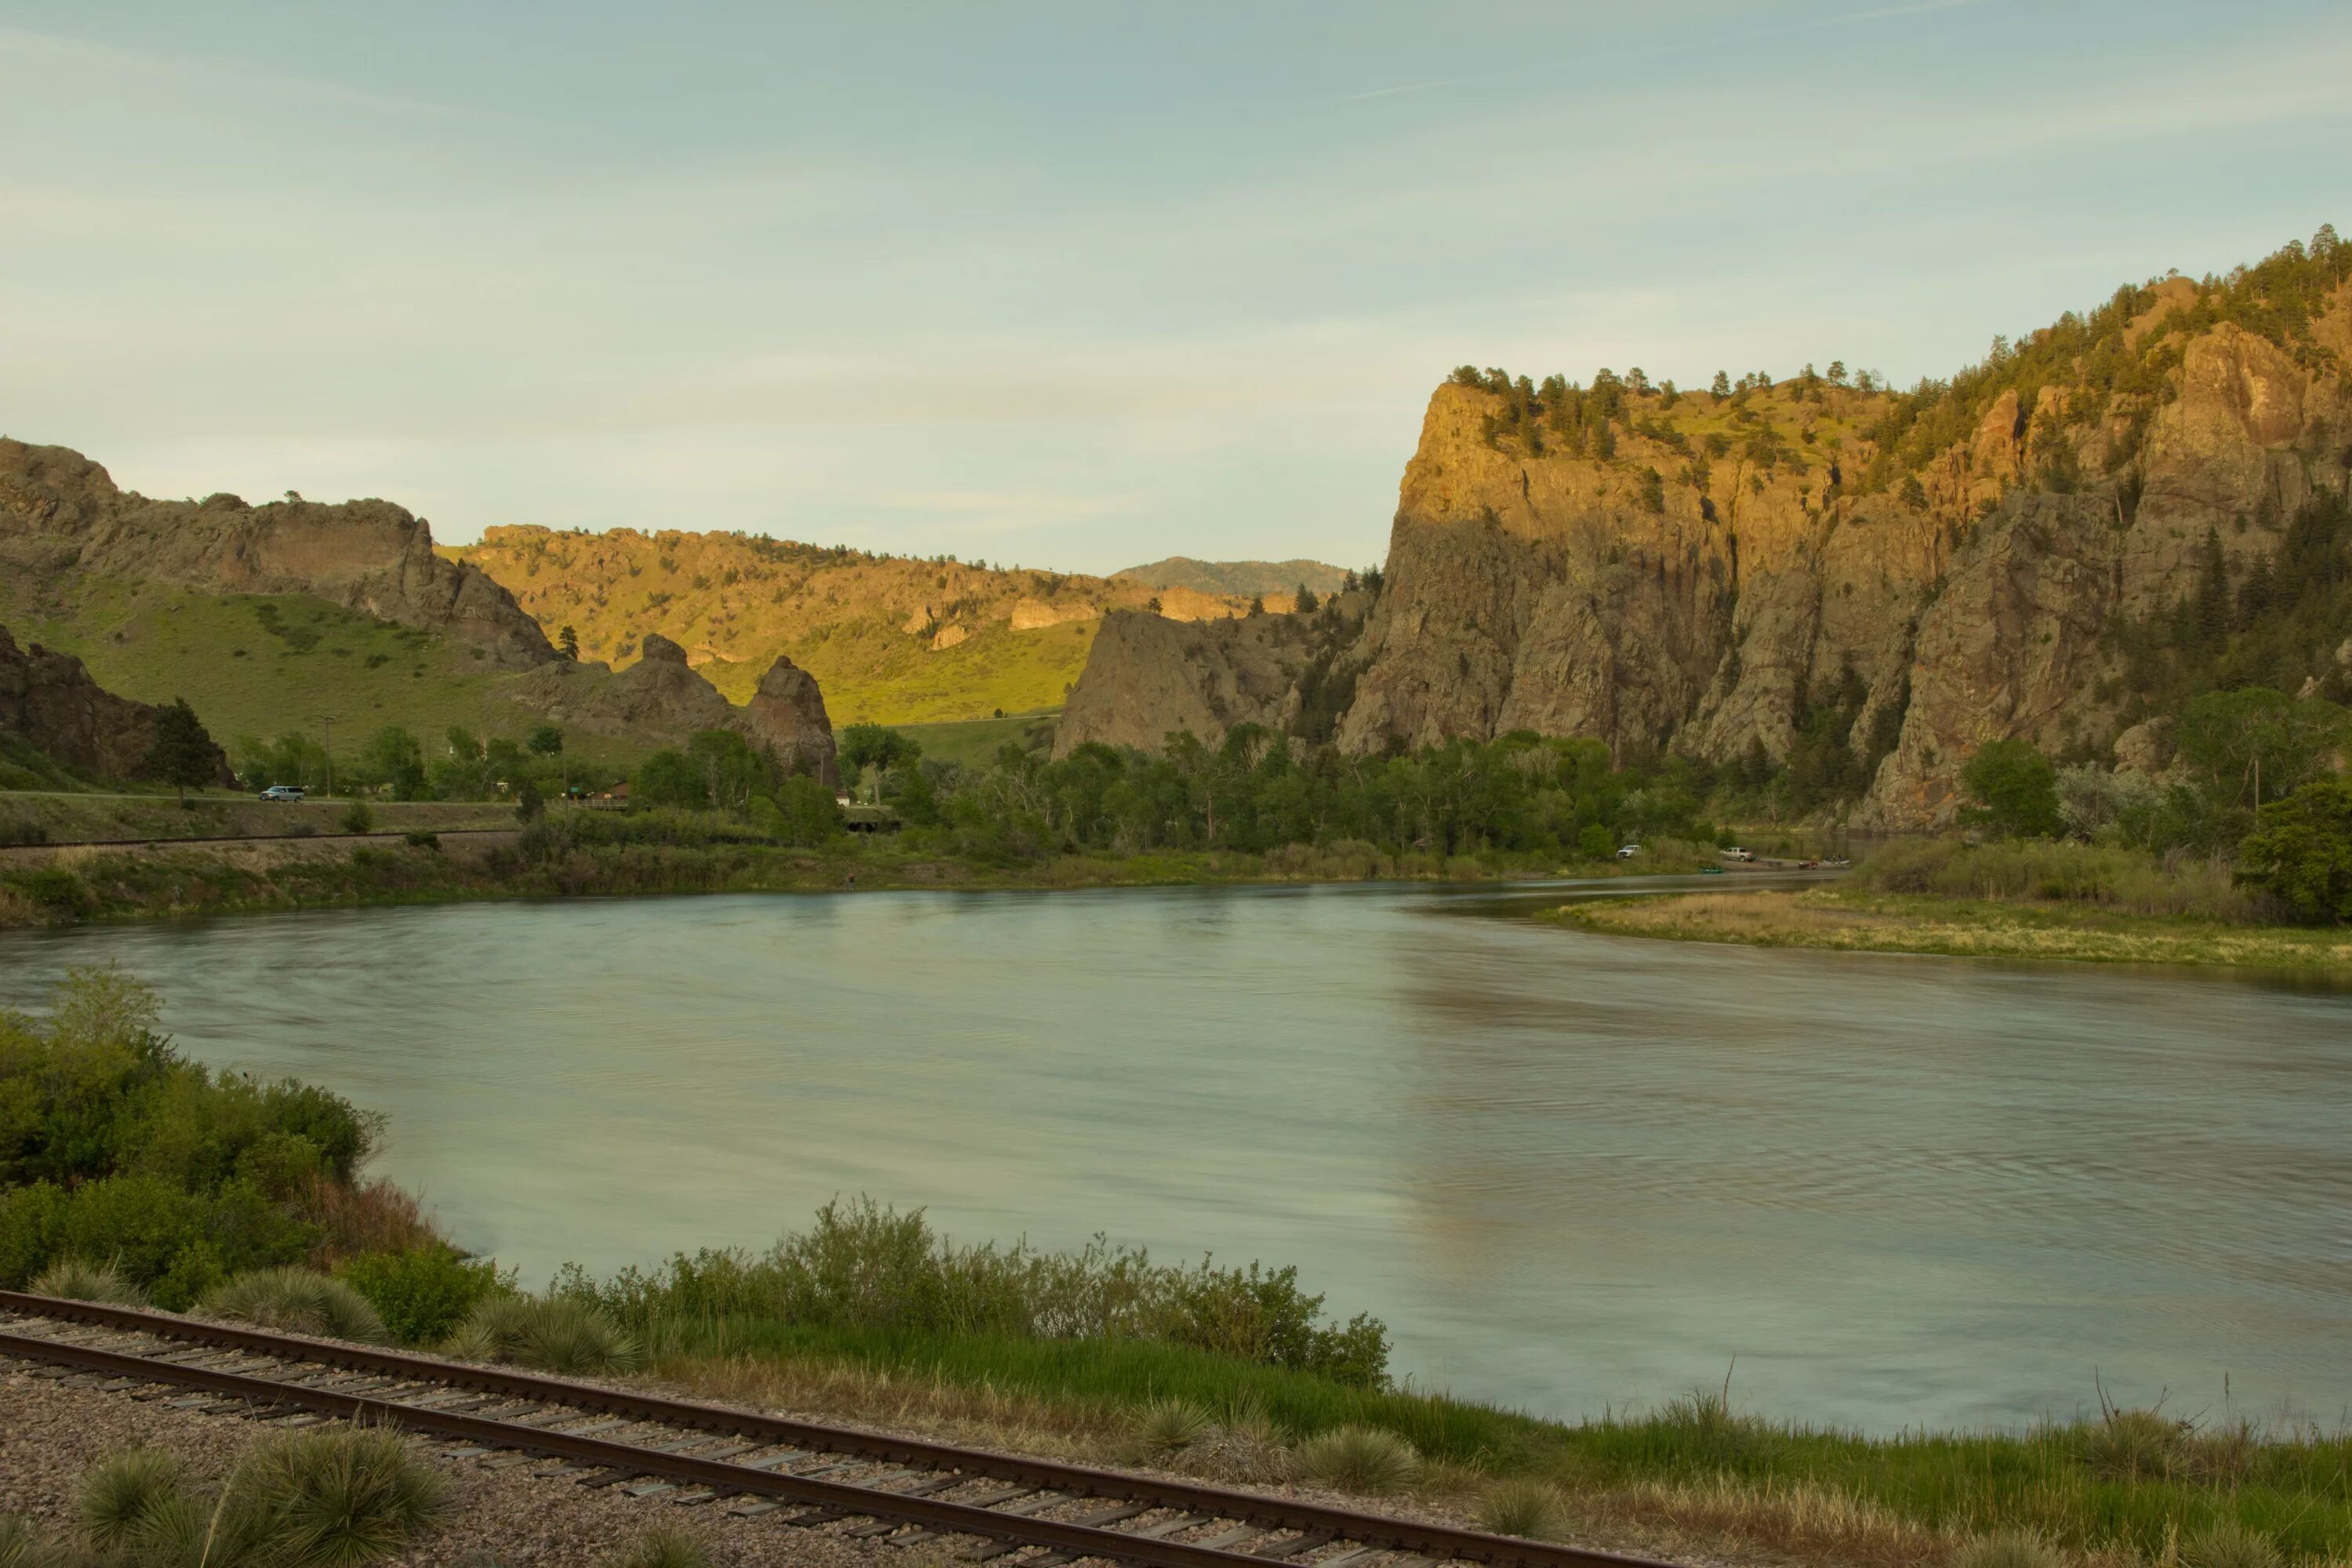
567	642
182	754
2214	593
1722	387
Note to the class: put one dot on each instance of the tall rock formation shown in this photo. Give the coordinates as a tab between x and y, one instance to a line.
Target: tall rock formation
49	701
1699	572
60	514
787	715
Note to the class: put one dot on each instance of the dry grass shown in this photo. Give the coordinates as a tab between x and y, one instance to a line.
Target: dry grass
360	1217
1806	1522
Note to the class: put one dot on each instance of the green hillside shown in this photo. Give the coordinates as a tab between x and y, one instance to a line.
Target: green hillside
262	665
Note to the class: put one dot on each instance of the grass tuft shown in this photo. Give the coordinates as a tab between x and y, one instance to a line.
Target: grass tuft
1524	1506
554	1334
1357	1459
2230	1544
72	1279
2009	1549
297	1301
121	1490
2137	1445
23	1545
340	1496
661	1547
1166	1427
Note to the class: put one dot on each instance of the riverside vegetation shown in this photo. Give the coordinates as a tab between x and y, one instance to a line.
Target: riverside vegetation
128	1174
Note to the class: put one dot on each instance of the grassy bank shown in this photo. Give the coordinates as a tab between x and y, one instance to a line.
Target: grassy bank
60	817
590	854
2000	900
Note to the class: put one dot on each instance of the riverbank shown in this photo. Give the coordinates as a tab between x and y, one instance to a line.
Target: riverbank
1852	921
601	856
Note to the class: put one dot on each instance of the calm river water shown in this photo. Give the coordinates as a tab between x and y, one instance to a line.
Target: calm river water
1571	1171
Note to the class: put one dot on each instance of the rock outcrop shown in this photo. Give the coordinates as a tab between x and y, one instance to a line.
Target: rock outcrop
62	514
1707	567
1150	677
48	702
787	716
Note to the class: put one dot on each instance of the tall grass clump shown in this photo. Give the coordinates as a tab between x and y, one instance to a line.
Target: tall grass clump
297	1301
661	1547
1526	1507
2009	1549
1357	1459
327	1498
2230	1544
559	1334
2105	876
25	1545
865	1266
72	1279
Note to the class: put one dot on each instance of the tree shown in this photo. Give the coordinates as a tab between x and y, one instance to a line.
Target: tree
1308	603
730	768
545	741
1722	387
2015	789
2302	855
567	642
876	746
530	805
669	778
182	754
1654	490
1837	373
392	756
2254	744
1257	604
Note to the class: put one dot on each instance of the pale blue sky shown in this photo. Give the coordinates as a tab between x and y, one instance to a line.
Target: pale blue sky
1079	285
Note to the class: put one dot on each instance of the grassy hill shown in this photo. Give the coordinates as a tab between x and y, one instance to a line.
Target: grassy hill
264	664
1244	578
892	639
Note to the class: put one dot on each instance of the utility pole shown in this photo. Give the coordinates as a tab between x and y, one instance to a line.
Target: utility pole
328	721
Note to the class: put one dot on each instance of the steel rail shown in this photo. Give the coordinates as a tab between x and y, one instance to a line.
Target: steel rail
1437	1541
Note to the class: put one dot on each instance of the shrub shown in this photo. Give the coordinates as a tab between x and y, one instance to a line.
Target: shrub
32	1228
297	1301
71	1280
422	1295
557	1335
423	839
1522	1506
54	888
661	1547
1357	1459
140	1223
2009	1549
356	818
2015	789
2303	856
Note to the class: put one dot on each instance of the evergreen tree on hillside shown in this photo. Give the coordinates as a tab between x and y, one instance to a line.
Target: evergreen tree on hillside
1722	387
182	752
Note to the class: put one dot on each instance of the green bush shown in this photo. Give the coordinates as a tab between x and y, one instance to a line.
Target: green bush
32	1229
2015	789
423	839
865	1266
2302	855
356	818
421	1296
53	888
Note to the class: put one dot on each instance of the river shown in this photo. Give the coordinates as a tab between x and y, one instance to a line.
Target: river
1571	1171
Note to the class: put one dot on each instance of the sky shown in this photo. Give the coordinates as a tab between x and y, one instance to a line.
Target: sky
1073	286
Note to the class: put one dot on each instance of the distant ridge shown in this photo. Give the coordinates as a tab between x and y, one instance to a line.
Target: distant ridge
1239	576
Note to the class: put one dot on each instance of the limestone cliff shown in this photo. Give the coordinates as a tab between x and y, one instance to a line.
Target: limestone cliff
62	515
48	702
661	699
1691	570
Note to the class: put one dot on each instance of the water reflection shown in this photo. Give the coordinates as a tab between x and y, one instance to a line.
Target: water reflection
1570	1170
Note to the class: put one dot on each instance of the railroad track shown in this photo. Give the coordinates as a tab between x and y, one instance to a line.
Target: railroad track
1016	1513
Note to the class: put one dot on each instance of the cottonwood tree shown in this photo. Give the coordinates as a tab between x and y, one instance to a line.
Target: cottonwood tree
182	752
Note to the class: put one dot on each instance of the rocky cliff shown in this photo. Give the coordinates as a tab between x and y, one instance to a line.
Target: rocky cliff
62	515
1702	571
48	702
663	700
